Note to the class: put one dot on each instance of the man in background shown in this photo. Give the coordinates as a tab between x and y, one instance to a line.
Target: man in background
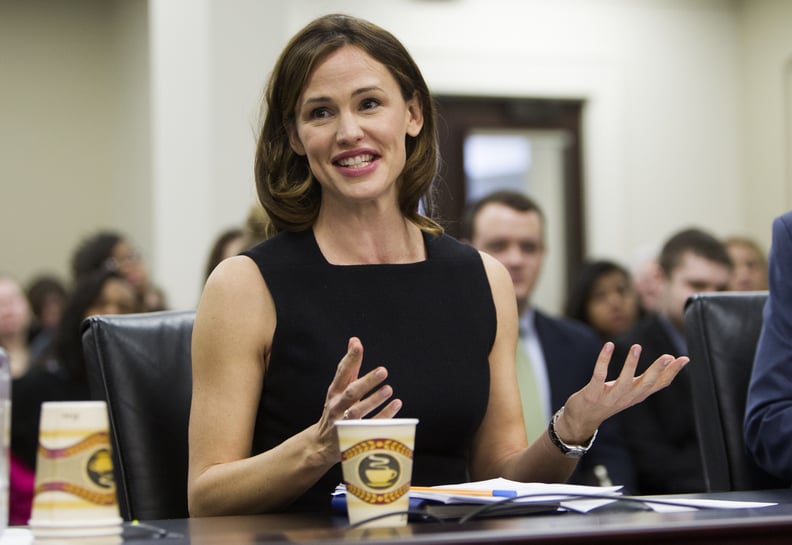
661	433
555	357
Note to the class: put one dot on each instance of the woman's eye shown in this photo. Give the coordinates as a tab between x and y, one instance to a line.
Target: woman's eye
320	113
369	103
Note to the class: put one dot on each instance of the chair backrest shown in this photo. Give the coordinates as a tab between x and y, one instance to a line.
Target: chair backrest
722	330
140	365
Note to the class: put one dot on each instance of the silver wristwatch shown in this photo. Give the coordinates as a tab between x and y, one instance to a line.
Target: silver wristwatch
570	451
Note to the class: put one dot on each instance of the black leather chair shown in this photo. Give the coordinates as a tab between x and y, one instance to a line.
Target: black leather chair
722	330
140	365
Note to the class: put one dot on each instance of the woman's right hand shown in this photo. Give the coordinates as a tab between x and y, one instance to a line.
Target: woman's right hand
347	399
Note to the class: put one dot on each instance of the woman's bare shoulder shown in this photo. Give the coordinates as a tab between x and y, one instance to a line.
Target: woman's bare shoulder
236	304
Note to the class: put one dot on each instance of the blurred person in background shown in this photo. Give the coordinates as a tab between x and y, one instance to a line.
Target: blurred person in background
58	375
111	250
750	264
661	432
15	319
257	227
647	279
604	298
228	243
47	297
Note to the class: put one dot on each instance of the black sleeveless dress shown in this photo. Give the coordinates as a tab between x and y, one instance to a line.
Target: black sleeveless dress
432	324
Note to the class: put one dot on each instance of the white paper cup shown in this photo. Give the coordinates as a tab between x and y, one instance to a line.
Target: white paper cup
376	460
75	493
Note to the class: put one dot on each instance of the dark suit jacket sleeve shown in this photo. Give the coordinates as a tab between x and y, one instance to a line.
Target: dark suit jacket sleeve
768	419
570	350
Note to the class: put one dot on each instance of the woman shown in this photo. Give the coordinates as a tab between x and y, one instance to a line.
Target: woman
347	152
750	265
15	319
111	250
604	298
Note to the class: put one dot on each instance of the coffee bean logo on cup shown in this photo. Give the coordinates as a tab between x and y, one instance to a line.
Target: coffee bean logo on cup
379	470
100	468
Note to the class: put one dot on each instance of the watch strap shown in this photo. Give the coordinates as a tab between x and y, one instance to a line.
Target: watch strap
570	451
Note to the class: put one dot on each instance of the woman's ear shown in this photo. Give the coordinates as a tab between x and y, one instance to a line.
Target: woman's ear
415	116
294	140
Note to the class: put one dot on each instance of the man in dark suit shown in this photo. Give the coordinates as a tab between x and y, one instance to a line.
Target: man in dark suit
555	357
661	433
768	416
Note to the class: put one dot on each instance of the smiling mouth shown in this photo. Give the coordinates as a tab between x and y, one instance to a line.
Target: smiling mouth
356	161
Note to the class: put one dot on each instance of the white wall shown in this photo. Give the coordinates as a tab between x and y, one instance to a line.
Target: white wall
766	113
56	106
209	61
684	118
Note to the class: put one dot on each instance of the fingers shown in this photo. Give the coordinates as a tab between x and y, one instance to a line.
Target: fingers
662	372
359	406
349	366
631	363
390	410
346	393
603	360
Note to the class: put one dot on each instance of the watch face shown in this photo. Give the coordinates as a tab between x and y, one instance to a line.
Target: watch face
575	452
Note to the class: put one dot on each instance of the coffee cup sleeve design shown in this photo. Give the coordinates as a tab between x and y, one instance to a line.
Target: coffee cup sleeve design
381	467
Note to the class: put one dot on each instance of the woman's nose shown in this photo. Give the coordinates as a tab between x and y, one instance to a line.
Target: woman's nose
349	129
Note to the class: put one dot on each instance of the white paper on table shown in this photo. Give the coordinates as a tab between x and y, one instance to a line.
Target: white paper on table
693	504
539	493
543	492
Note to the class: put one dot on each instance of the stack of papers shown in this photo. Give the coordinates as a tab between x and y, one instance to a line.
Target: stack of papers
495	490
577	498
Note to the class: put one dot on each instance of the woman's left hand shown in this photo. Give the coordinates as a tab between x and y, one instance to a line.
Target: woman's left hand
587	408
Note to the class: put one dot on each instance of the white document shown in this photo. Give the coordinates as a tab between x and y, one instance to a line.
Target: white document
677	505
571	497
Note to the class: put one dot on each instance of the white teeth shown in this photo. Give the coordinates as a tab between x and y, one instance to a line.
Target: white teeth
356	161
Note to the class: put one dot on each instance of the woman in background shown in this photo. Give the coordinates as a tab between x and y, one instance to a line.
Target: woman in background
228	243
15	320
604	297
750	265
111	250
47	296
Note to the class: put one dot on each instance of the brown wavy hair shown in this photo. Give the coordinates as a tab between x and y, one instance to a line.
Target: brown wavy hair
286	186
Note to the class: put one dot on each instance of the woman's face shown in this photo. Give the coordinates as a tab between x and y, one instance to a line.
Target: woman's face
351	123
613	305
117	297
750	272
15	314
130	264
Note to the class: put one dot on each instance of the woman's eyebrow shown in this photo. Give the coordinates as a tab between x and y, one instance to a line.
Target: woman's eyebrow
356	92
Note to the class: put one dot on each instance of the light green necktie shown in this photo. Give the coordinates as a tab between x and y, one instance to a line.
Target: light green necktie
533	413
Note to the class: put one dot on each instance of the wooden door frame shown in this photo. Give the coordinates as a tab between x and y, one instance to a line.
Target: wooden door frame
460	115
